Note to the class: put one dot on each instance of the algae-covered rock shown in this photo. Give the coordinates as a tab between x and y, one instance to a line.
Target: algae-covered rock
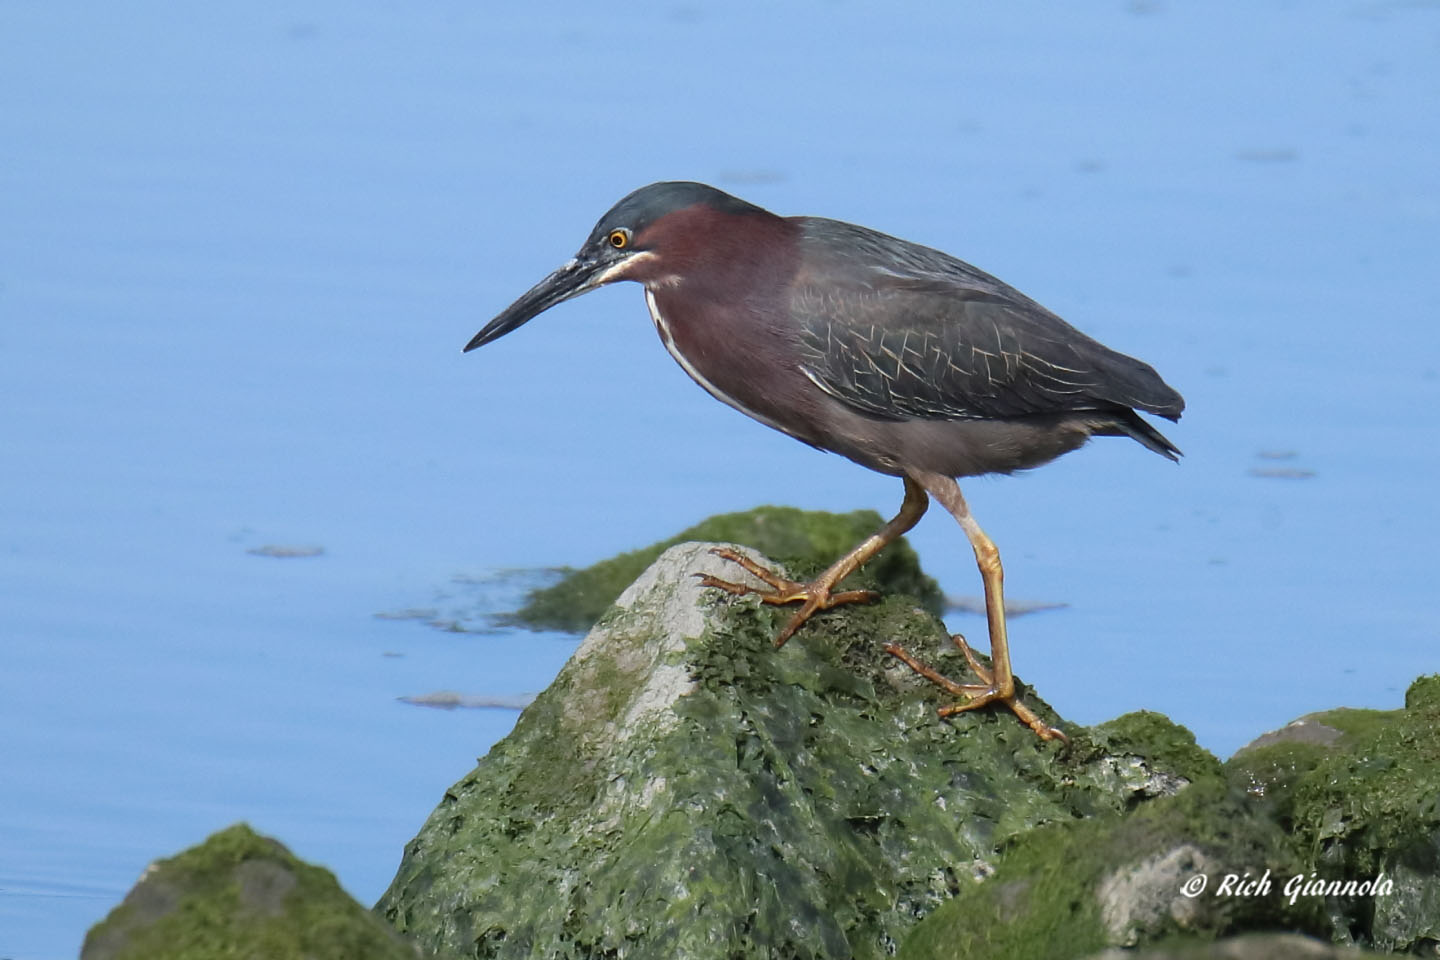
1329	826
242	896
1270	767
1153	874
1147	754
1366	807
805	540
684	789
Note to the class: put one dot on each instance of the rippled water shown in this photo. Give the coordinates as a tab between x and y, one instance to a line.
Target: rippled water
240	251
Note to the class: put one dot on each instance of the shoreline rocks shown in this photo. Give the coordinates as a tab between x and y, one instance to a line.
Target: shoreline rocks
684	789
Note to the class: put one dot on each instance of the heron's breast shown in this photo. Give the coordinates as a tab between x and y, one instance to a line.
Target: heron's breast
735	363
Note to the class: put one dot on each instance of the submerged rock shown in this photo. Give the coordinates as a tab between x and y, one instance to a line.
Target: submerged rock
240	895
684	789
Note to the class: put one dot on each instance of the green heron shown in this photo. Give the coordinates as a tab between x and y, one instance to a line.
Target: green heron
897	356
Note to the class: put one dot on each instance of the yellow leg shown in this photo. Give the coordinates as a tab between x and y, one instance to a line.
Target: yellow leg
819	594
997	683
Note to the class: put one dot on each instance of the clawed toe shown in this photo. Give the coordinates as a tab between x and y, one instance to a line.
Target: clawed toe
976	695
814	596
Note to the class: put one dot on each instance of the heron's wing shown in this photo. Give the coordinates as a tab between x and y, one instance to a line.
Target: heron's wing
929	337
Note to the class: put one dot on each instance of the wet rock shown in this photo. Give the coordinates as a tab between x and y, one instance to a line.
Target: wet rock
1310	728
243	896
1329	826
1149	875
1367	805
806	541
686	789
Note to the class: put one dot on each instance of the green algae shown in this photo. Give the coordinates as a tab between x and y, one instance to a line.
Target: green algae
805	541
706	795
240	895
1067	889
800	802
1371	807
1353	796
1359	792
1162	743
1038	898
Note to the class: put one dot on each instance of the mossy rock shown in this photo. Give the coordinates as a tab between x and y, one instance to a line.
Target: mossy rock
1359	790
1149	754
1271	767
1068	890
240	896
1371	806
685	789
805	541
1343	795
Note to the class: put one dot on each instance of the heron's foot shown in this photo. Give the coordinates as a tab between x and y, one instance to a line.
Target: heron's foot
977	694
814	596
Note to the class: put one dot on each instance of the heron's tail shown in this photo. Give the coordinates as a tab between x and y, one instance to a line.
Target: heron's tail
1128	423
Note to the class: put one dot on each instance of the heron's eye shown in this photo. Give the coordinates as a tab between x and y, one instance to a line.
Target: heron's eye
619	239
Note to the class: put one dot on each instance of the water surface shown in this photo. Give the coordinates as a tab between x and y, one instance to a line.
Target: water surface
240	251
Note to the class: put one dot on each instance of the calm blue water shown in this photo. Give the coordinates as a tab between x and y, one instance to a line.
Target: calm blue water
240	252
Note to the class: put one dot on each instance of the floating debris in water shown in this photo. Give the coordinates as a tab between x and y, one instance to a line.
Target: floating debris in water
409	613
1013	608
453	626
450	700
285	552
1281	473
1274	155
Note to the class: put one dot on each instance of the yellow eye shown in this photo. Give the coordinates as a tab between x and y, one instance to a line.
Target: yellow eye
619	239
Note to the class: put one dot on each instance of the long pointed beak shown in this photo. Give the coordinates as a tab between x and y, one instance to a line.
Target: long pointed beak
577	276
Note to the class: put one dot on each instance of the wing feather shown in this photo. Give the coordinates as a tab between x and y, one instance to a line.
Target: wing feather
899	331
